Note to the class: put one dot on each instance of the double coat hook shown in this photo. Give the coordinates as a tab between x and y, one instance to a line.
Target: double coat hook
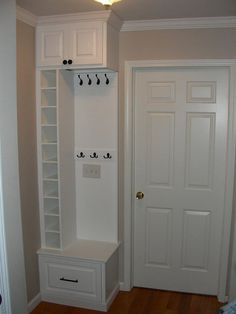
107	79
89	80
80	80
81	155
98	80
94	155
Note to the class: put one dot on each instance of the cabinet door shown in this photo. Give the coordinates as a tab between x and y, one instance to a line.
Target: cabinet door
51	45
87	46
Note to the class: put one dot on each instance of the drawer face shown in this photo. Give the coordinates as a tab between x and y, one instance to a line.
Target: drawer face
72	279
78	279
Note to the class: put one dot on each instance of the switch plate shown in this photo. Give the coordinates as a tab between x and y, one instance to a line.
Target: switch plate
91	171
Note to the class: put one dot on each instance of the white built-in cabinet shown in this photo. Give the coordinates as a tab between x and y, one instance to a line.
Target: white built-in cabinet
91	42
77	130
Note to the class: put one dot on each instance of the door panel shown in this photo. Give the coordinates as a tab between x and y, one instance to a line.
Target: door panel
51	45
200	142
87	43
158	238
196	240
160	149
181	118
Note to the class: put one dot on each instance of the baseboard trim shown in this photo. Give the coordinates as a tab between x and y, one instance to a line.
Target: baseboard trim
124	287
34	303
112	296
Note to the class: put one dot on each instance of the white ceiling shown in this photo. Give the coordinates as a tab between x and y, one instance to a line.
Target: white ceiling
136	9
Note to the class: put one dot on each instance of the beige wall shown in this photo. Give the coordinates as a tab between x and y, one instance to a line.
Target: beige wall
27	152
178	44
168	44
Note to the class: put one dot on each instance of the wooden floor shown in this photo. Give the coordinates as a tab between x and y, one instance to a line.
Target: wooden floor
145	301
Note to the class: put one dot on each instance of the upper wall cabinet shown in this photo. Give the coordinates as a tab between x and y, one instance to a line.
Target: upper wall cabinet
78	41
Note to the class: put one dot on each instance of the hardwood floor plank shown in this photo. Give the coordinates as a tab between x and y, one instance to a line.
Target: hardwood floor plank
144	301
174	301
184	303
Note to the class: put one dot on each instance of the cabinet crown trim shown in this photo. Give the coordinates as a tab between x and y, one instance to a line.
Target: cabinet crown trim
106	16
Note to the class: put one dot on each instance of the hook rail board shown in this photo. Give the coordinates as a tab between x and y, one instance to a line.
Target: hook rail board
93	79
101	155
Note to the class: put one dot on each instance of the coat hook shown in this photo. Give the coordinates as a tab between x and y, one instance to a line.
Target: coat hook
98	80
94	155
81	155
107	79
80	80
108	156
89	80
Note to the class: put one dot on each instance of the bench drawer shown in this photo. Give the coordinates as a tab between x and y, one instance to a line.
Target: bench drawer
80	278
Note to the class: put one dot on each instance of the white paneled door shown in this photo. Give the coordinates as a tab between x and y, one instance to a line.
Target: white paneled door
181	118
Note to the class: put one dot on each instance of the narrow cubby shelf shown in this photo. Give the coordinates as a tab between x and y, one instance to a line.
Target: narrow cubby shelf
48	125
52	240
52	178
51	194
51	206
54	212
47	143
48	79
49	134
48	97
50	199
52	224
50	161
48	107
48	116
50	214
48	88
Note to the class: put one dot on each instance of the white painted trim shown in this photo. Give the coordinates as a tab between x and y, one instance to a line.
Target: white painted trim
229	187
128	26
123	287
73	17
106	16
112	296
26	16
179	23
34	303
4	279
128	164
128	184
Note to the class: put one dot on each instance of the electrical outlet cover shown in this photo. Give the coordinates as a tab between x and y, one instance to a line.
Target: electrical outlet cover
91	171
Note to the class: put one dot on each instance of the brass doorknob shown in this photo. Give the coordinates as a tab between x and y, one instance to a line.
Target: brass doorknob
139	195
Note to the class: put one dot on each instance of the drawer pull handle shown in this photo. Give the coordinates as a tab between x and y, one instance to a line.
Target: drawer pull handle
70	280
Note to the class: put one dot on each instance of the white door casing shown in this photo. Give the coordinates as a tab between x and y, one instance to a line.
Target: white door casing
5	307
192	217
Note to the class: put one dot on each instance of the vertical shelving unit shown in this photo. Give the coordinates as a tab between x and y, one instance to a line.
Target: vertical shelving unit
49	160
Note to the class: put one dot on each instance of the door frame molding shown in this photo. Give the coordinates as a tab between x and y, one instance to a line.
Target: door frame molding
130	67
4	279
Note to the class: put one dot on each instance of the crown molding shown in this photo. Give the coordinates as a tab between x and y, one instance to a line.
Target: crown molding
128	26
106	16
73	17
180	23
26	16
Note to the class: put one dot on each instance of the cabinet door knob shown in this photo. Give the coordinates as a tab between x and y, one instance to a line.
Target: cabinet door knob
70	61
64	62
